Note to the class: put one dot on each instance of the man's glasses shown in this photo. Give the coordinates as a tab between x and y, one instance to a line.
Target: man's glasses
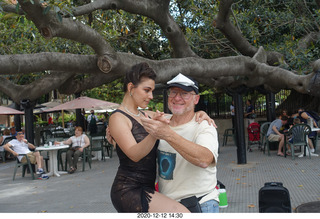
19	133
184	95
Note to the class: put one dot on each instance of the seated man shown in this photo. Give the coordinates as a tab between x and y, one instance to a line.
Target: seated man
274	134
21	146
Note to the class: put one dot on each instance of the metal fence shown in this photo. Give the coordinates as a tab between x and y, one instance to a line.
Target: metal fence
218	105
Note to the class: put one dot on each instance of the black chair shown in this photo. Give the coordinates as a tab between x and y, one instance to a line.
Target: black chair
24	167
45	135
60	133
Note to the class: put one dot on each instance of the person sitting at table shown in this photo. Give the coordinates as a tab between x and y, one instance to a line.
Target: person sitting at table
20	145
274	134
78	142
304	116
298	121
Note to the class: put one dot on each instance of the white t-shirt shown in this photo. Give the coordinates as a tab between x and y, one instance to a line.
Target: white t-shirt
178	178
19	147
78	141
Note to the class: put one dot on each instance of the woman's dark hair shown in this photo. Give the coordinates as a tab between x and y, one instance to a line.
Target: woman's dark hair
137	72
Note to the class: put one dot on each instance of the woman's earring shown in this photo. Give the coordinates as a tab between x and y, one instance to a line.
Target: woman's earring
130	94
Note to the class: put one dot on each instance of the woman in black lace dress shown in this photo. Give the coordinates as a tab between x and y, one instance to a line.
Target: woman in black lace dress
133	189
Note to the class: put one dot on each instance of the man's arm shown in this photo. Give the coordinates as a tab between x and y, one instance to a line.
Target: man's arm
7	147
30	146
192	152
274	128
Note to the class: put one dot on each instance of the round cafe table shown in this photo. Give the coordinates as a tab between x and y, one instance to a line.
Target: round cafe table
53	160
309	207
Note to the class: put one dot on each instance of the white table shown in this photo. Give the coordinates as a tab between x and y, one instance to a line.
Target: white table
53	165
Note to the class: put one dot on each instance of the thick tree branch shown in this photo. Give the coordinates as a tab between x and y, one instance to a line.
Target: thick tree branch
154	9
29	63
50	26
222	72
308	39
35	89
232	33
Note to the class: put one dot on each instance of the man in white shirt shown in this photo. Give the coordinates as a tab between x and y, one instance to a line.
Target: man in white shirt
20	145
188	151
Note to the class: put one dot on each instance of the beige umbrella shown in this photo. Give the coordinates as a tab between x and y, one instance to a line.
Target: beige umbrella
84	103
9	111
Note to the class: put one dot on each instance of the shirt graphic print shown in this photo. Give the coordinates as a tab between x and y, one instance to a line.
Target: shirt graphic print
166	164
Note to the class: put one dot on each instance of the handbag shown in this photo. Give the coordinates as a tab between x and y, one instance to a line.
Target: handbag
192	203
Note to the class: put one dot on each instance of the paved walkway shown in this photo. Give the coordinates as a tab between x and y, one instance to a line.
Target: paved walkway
89	191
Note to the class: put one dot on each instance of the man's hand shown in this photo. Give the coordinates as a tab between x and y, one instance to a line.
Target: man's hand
160	116
157	128
15	154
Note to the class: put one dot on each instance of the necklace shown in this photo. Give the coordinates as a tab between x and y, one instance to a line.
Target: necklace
131	112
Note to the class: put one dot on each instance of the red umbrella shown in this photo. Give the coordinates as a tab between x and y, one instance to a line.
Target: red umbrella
9	111
84	102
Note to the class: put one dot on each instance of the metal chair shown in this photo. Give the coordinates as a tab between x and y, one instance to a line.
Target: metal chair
263	137
24	167
228	133
99	146
108	147
85	157
298	137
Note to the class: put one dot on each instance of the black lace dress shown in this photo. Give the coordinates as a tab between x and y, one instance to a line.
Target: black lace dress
134	180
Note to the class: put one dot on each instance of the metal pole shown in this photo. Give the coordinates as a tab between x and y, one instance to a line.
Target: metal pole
28	113
17	118
270	104
239	124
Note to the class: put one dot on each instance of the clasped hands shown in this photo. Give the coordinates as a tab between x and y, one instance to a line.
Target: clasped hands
157	126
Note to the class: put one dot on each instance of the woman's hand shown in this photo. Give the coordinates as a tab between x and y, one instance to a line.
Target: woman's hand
160	116
201	115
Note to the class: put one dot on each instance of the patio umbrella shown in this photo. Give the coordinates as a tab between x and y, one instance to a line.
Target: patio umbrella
9	111
84	102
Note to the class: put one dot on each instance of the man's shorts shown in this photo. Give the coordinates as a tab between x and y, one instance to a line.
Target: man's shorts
273	137
31	157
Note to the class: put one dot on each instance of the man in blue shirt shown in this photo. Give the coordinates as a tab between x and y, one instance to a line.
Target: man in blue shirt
274	134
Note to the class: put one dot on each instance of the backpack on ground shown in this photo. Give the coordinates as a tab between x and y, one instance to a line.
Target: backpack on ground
273	197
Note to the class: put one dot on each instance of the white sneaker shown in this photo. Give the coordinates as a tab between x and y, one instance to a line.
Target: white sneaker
301	155
39	171
314	155
312	150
